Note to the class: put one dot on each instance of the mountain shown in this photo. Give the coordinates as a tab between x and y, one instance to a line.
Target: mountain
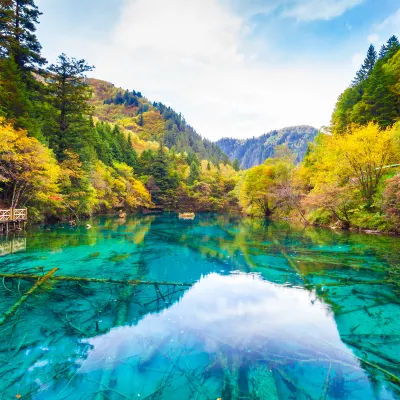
255	151
150	121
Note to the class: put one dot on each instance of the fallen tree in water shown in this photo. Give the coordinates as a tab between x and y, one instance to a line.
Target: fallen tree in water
133	282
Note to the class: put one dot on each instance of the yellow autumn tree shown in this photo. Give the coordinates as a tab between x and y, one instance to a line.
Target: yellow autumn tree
78	194
255	194
357	157
116	187
28	170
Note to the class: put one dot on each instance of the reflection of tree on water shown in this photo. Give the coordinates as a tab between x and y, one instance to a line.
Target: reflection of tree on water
12	246
118	340
62	315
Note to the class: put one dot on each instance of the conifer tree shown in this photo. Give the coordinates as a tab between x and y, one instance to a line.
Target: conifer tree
18	20
140	119
21	95
160	168
194	174
70	125
390	47
236	165
367	67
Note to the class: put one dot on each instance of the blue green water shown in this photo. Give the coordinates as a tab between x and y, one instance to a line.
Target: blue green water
233	308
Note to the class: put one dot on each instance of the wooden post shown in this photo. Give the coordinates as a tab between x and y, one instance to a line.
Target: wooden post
11	214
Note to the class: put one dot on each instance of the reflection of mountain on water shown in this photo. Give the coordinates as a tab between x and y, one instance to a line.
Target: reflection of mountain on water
42	359
253	334
235	336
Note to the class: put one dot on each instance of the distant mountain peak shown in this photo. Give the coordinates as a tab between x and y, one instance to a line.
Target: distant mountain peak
255	150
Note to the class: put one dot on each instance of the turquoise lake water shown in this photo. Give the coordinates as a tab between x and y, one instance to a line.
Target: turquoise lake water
216	308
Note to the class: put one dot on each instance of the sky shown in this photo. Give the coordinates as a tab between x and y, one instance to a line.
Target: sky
233	68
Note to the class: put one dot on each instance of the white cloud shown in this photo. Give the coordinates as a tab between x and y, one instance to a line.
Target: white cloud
357	60
385	29
373	38
391	23
311	10
194	57
302	10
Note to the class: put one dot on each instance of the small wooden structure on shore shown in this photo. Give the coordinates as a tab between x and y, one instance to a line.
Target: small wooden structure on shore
12	219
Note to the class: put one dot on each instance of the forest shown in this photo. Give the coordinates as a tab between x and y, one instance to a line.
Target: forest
72	146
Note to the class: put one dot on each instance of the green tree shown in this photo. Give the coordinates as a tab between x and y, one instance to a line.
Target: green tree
366	69
21	95
236	165
18	20
140	120
194	174
70	125
160	169
390	48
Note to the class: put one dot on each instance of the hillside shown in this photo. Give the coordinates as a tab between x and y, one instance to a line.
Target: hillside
373	95
150	121
255	151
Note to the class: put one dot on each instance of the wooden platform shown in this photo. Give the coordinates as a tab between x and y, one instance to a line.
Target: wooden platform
13	219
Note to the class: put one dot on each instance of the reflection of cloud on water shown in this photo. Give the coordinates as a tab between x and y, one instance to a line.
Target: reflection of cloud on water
241	311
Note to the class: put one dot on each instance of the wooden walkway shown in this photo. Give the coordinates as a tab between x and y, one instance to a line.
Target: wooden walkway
12	219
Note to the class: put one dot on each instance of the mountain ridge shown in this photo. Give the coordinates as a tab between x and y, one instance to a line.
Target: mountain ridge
150	121
254	151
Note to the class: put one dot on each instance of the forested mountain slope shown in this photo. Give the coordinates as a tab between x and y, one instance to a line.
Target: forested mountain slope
255	151
150	121
374	94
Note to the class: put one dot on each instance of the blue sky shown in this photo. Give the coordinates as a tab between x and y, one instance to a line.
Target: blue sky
233	67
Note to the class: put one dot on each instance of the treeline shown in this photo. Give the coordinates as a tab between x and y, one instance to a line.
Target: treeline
374	95
152	121
254	151
350	175
60	160
72	146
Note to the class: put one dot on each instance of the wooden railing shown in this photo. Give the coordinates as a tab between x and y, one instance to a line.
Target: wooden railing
14	214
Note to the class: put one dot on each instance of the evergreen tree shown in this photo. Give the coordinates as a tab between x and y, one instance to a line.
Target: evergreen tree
69	93
140	119
118	144
208	166
389	48
18	19
21	95
160	169
367	67
236	165
194	174
131	157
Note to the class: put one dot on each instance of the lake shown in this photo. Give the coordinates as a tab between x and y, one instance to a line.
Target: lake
220	307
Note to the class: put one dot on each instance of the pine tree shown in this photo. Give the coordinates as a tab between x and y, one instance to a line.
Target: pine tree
390	48
69	95
367	67
236	165
145	162
21	95
131	157
160	168
194	174
140	119
18	20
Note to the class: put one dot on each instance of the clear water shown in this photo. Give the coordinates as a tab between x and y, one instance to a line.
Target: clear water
236	309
